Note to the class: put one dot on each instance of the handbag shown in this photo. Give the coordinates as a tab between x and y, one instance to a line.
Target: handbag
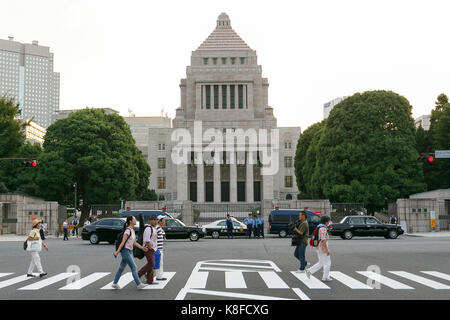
157	260
34	245
295	241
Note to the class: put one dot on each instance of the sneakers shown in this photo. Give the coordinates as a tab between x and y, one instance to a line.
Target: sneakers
31	275
300	271
308	273
142	286
115	286
43	274
149	284
162	279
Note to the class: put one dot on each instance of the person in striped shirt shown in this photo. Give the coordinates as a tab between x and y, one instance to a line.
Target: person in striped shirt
160	243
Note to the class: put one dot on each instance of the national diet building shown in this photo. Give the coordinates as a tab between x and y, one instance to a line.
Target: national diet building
224	145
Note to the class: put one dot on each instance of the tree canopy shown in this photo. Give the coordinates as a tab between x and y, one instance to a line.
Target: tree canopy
364	152
12	129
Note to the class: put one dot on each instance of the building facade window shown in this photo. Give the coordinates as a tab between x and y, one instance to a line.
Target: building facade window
233	60
232	96
242	60
161	163
161	146
208	97
205	61
288	162
241	96
288	181
216	97
224	61
161	182
224	96
214	61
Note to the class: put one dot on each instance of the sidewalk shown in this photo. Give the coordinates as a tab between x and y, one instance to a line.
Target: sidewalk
439	234
15	237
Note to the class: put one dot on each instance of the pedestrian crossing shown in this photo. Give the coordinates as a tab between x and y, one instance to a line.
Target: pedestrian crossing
239	279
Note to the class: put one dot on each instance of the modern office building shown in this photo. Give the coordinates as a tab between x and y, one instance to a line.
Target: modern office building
26	74
327	107
423	121
224	95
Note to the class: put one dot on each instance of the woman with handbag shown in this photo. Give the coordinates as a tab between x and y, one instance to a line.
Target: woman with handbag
34	247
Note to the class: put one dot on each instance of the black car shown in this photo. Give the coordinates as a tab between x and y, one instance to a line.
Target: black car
364	226
109	228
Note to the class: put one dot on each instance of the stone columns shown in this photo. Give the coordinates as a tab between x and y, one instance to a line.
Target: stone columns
182	181
200	183
249	197
217	186
233	179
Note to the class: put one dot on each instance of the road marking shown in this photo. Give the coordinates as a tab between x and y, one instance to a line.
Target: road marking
385	280
312	282
43	283
227	269
301	294
197	280
15	280
232	295
348	281
272	280
124	280
79	284
161	284
235	280
236	265
5	274
437	274
426	282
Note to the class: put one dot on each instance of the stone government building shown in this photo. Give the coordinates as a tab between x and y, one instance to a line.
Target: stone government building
224	89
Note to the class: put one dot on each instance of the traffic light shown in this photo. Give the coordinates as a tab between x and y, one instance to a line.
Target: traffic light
30	163
427	158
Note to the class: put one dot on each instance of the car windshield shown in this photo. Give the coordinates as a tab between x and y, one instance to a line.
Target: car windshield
343	220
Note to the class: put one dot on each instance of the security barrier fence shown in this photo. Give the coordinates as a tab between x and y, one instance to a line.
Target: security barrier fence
205	213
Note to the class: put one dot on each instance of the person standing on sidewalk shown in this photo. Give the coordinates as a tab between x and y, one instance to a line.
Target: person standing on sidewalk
249	222
151	243
229	224
126	250
160	244
35	258
302	231
75	226
323	252
393	219
65	230
260	225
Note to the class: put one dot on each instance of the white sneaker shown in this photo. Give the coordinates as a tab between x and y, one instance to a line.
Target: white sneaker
115	286
142	286
308	273
300	271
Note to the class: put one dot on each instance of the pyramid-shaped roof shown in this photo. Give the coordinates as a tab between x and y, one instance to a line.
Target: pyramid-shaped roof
224	37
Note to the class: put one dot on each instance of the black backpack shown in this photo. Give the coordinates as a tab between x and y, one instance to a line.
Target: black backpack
137	252
120	238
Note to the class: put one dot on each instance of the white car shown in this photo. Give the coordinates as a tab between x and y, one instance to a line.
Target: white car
219	228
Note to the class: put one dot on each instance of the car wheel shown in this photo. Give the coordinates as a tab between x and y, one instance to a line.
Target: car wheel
393	234
215	234
348	235
282	234
193	236
93	238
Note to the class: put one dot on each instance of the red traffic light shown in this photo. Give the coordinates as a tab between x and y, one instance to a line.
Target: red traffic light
34	163
430	159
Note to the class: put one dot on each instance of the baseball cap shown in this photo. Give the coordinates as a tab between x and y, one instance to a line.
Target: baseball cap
160	217
153	217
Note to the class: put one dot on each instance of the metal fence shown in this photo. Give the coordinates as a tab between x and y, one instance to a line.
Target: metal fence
174	209
105	210
347	209
205	213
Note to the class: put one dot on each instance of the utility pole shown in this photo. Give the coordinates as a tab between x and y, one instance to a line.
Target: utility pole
75	204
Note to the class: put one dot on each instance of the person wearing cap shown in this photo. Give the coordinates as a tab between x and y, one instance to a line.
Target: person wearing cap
229	223
150	240
249	222
260	225
160	243
35	258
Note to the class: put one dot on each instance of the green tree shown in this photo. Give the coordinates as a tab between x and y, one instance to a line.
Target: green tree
12	129
437	175
148	195
367	152
96	151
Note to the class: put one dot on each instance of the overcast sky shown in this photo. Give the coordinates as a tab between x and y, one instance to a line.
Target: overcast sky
132	54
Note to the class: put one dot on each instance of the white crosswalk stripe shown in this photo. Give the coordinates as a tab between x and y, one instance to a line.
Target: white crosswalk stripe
348	281
49	281
272	280
437	274
12	281
161	284
312	282
80	284
5	274
197	280
393	284
235	280
125	279
426	282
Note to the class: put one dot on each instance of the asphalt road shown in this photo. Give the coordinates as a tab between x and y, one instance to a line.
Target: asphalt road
237	269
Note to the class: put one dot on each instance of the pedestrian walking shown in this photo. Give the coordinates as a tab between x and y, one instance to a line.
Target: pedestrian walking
393	219
260	225
126	250
75	226
160	244
65	230
249	222
229	223
35	258
323	251
302	233
151	243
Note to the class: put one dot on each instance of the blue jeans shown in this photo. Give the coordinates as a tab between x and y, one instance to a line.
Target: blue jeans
299	253
127	259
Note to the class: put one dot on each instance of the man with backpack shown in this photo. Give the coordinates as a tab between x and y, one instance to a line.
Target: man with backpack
319	240
150	240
